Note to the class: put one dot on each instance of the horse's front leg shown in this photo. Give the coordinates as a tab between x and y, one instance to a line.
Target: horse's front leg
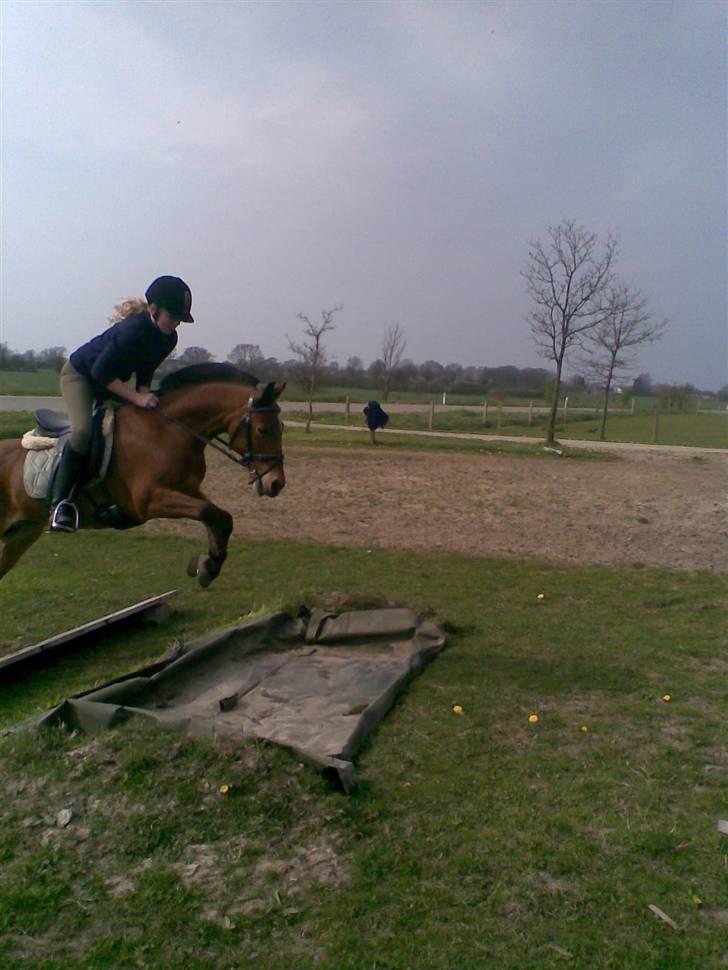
168	504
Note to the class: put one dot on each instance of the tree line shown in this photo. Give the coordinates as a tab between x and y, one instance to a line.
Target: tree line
429	376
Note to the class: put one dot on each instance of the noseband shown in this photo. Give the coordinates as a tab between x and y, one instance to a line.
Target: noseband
247	457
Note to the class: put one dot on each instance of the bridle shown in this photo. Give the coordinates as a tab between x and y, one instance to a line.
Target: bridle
248	457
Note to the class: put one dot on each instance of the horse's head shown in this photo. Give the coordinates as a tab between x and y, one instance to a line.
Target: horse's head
257	437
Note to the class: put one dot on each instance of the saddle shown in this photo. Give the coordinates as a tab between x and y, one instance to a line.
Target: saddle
45	444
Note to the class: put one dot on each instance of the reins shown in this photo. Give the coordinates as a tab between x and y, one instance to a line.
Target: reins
248	457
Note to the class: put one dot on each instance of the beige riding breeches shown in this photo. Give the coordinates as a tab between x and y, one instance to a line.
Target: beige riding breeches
79	397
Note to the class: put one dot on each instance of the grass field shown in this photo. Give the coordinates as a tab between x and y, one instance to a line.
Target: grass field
474	842
41	382
13	424
697	430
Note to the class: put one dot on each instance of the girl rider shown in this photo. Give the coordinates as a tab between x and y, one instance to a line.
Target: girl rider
140	339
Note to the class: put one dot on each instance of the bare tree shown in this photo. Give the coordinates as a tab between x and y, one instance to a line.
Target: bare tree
311	351
566	279
610	348
393	346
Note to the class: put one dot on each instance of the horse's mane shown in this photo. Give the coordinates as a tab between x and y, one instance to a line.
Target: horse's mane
204	374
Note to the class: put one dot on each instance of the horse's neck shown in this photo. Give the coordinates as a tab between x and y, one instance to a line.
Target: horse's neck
206	408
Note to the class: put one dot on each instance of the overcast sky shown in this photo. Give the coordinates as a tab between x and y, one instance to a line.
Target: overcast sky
394	157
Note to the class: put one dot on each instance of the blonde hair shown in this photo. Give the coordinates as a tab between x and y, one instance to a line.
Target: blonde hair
128	307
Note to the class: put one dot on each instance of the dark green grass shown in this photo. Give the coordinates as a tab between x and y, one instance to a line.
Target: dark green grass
697	430
359	444
474	842
40	382
14	424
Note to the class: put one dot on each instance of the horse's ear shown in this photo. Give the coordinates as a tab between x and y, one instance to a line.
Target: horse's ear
270	393
280	388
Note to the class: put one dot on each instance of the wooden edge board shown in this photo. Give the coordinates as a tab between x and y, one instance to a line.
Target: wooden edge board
47	646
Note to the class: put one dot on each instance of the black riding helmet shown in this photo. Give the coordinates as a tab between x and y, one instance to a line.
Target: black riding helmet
172	294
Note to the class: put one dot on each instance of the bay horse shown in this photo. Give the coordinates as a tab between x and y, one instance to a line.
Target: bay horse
158	462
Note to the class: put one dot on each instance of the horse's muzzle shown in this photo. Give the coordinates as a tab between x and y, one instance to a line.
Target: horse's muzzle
270	485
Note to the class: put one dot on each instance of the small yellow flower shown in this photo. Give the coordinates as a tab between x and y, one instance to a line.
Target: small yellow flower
540	596
533	718
583	729
697	901
457	709
667	698
224	789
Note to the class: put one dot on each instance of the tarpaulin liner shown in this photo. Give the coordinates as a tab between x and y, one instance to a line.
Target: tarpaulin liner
317	684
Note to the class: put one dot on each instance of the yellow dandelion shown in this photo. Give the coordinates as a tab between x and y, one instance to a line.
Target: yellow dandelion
541	596
667	698
457	709
224	789
533	718
583	729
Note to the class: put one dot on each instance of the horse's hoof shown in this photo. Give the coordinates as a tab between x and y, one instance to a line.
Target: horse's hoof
205	574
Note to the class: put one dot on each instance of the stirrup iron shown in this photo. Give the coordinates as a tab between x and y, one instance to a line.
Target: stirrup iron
64	505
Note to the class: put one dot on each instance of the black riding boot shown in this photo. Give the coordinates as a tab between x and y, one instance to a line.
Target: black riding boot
64	514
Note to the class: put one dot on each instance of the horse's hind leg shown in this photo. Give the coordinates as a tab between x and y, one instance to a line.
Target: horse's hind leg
167	504
219	524
15	540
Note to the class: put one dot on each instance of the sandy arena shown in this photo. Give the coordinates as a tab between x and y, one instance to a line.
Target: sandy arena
651	509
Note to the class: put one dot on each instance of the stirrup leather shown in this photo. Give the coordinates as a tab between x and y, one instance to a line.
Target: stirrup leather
64	506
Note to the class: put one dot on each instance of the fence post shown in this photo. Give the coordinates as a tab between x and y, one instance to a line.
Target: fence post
485	413
566	408
655	429
432	414
530	413
632	407
348	408
500	415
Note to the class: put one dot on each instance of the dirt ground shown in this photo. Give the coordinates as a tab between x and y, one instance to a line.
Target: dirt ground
653	509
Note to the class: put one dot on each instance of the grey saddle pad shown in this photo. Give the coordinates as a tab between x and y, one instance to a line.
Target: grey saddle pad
41	464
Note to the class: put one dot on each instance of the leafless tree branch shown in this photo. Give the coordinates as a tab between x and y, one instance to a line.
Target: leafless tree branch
311	350
609	350
394	343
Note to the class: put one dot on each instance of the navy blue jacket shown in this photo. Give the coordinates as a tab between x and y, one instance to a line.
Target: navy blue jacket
376	417
134	345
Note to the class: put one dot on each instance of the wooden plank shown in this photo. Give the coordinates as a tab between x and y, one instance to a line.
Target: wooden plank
53	644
